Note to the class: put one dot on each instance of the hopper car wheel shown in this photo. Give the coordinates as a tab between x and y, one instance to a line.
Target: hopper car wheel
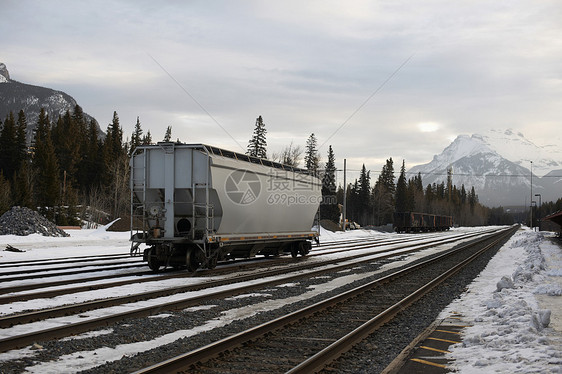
304	248
153	262
190	261
294	251
212	263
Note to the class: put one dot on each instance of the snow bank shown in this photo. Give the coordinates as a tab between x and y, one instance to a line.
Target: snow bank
510	332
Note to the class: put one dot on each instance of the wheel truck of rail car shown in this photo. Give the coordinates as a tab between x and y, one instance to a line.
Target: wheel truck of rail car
193	205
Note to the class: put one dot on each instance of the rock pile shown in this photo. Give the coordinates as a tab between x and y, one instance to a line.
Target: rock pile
24	221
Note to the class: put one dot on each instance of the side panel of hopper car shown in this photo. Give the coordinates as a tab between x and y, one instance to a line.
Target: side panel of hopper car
260	199
188	170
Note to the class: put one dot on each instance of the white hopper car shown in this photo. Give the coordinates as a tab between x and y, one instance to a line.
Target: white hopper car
194	205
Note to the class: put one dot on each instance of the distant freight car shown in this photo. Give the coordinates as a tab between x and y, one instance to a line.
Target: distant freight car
420	222
194	204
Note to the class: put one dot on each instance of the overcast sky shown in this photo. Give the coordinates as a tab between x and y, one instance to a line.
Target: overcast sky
375	79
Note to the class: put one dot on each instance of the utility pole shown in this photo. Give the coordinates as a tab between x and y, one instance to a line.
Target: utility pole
344	193
531	195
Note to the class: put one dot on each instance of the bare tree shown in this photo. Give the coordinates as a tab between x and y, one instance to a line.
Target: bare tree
290	155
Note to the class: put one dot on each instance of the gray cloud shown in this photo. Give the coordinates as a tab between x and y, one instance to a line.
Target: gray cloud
305	67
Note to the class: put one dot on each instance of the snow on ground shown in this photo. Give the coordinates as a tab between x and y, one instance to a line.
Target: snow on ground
510	332
80	243
515	309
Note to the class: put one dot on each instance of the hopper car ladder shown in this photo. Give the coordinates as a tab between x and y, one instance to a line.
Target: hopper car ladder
138	185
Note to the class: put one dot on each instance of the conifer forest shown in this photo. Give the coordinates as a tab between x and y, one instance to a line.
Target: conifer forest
70	172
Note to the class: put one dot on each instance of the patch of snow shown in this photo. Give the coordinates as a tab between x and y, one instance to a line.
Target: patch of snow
199	307
161	315
245	296
287	285
89	334
510	331
514	329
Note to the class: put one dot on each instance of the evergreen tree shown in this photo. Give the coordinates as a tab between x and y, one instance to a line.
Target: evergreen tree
84	175
472	199
257	146
383	194
401	203
45	162
116	169
311	158
363	196
5	194
136	137
353	203
429	198
168	134
78	116
23	184
449	183
463	195
416	200
21	141
9	151
43	126
329	208
65	136
112	150
93	159
147	139
114	138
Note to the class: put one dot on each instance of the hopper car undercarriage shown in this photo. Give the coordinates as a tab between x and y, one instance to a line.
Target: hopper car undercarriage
207	255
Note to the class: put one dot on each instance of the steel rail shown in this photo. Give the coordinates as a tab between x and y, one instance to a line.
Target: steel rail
62	260
214	272
329	354
19	341
79	265
20	318
256	262
82	271
207	352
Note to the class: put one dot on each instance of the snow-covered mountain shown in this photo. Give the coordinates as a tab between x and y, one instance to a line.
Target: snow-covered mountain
15	96
498	166
520	150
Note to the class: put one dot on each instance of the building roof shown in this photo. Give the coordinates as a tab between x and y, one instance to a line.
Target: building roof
555	217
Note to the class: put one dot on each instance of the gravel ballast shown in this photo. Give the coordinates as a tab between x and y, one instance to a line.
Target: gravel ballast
370	356
23	221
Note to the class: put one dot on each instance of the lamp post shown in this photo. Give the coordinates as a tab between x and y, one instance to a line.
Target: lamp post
539	211
531	195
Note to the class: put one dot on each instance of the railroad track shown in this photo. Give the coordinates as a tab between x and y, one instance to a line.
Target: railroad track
32	267
149	276
311	338
63	260
23	339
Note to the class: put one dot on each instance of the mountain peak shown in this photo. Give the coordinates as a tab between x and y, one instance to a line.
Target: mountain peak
4	75
515	147
462	146
17	96
497	164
